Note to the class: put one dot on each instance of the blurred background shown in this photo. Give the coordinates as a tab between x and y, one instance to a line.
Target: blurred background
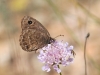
71	18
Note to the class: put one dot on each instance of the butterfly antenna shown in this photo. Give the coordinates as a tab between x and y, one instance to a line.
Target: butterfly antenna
59	35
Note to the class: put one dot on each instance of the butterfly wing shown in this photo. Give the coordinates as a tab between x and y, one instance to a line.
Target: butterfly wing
34	35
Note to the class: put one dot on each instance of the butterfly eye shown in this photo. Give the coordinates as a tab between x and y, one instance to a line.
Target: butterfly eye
29	22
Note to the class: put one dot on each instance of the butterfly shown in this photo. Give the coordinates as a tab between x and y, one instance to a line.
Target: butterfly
34	35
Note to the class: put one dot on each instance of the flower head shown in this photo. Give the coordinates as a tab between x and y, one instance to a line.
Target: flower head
54	54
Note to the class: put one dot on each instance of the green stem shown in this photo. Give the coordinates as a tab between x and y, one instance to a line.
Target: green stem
60	72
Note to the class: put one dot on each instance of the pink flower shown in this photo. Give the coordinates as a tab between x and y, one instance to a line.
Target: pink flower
54	54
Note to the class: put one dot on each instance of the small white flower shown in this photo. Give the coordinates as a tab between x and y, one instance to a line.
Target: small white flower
54	54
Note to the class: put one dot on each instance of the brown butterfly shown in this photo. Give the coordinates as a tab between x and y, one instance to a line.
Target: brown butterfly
34	35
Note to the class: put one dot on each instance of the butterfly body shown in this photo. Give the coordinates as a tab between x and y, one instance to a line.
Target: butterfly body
34	35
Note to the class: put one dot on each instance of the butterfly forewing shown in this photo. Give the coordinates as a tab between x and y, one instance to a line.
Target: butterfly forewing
34	35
